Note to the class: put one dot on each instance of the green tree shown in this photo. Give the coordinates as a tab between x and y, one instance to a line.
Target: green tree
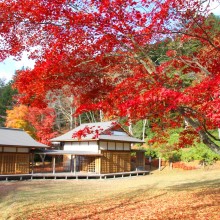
6	99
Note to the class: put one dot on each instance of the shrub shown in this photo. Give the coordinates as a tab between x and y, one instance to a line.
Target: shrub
151	153
199	152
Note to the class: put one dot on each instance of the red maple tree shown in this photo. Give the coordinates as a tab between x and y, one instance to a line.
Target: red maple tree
42	120
107	53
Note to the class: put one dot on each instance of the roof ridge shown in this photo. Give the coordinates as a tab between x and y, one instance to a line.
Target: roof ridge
98	122
7	128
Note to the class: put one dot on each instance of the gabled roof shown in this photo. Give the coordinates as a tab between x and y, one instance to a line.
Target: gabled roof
105	133
64	152
18	138
120	138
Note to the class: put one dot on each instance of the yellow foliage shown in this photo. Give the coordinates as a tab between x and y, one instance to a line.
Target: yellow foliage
17	118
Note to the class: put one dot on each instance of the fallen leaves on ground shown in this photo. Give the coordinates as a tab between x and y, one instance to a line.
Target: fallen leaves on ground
156	204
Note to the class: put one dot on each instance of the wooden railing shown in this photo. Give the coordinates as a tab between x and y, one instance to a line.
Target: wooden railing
47	167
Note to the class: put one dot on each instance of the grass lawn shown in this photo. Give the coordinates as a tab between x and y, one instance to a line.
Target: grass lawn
162	195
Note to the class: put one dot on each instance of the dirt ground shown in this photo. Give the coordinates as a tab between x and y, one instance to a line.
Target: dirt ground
167	194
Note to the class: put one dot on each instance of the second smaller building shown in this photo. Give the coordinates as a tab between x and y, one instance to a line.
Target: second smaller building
103	147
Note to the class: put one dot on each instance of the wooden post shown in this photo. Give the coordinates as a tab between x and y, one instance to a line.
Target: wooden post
143	158
54	166
15	163
74	164
1	163
159	164
42	156
71	163
32	163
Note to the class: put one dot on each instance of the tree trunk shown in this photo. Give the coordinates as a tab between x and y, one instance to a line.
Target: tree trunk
202	133
71	118
92	116
80	120
87	115
101	115
75	122
144	128
130	127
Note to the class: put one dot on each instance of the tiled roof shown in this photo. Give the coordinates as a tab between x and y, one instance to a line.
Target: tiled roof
102	127
68	136
63	152
17	137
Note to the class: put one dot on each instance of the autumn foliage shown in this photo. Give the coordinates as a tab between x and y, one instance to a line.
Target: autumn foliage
42	120
18	118
135	59
37	122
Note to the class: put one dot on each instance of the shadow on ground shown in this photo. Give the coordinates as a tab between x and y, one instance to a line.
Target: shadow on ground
196	185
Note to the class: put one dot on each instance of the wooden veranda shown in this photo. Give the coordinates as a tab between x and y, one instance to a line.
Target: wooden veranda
78	162
69	176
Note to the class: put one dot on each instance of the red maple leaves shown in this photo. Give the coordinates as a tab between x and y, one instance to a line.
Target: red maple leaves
109	54
83	133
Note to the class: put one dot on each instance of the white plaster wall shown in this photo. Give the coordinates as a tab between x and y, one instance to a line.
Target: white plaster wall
103	145
119	146
127	146
23	150
68	146
9	149
111	145
82	146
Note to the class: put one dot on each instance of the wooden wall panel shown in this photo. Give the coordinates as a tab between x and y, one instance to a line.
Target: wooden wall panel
22	163
91	164
115	162
97	164
67	160
8	163
140	159
87	164
14	163
1	162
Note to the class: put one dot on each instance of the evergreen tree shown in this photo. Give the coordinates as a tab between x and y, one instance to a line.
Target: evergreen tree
6	99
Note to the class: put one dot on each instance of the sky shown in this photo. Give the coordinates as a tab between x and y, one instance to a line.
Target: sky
9	66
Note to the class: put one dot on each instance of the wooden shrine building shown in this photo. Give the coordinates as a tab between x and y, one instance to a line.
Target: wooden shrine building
15	151
103	147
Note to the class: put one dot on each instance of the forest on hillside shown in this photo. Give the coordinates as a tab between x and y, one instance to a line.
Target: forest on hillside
151	65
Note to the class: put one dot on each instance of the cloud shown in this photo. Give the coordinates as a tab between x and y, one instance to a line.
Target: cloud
24	62
9	66
7	69
215	7
5	75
